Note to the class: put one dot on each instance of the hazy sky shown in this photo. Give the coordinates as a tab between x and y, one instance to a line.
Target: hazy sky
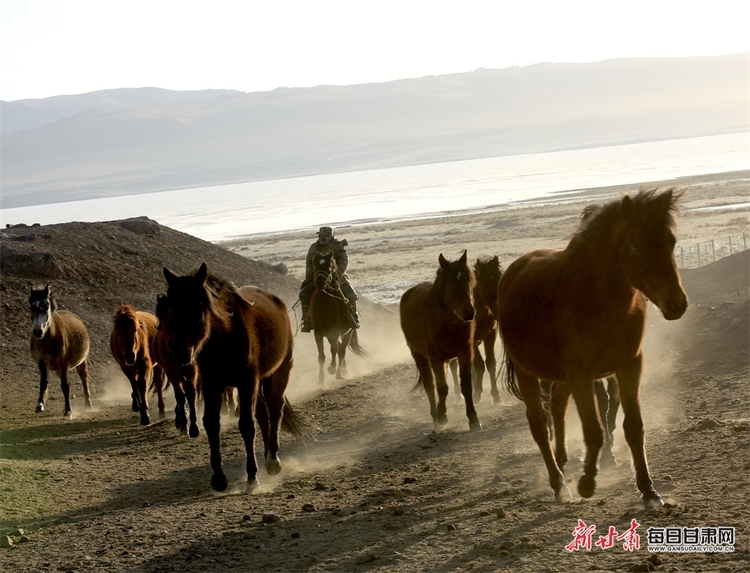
50	47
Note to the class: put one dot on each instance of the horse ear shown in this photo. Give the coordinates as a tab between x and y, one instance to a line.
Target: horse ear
442	260
628	207
202	273
464	257
169	275
46	290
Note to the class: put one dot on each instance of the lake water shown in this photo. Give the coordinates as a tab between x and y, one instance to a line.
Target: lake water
232	211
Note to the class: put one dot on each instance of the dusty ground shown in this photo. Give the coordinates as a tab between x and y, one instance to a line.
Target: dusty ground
372	487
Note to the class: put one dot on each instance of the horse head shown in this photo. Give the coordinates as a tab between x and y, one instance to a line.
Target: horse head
126	325
184	314
487	273
455	281
42	304
324	270
647	250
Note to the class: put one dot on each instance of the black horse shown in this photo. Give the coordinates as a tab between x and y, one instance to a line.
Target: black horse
331	319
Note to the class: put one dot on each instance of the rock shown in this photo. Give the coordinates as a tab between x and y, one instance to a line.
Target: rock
5	541
410	480
247	517
281	268
36	265
450	527
506	545
295	535
500	513
270	517
141	226
398	512
308	507
366	558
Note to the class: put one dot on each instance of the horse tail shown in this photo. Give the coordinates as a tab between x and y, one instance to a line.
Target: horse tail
293	422
354	345
511	382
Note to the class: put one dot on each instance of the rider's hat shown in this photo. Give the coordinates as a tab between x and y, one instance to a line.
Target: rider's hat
324	231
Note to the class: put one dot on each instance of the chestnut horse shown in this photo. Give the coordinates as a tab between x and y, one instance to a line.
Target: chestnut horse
487	272
183	377
578	314
331	319
240	338
59	341
132	346
438	322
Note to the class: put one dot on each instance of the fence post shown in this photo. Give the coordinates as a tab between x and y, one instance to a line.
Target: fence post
713	249
699	254
730	245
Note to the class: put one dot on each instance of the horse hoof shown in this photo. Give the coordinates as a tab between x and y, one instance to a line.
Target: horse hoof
442	420
253	486
87	405
162	415
134	407
39	408
273	466
219	482
475	426
608	460
586	486
652	501
339	377
183	431
68	415
477	398
145	420
194	431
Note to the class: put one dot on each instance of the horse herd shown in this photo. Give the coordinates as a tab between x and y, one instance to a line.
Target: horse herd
568	318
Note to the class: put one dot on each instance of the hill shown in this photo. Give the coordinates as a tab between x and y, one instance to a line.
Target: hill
120	142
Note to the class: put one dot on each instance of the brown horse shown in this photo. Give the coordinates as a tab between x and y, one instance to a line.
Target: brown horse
578	314
240	338
131	344
331	319
183	377
487	272
59	341
438	322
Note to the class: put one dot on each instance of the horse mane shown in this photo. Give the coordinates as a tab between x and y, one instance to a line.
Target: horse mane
597	221
492	262
35	293
439	274
222	295
125	313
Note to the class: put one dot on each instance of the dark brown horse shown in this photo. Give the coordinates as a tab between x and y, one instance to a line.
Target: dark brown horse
59	341
438	322
235	337
487	272
578	314
131	343
182	377
331	319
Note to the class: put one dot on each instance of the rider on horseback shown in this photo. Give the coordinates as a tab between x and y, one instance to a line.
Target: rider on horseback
326	244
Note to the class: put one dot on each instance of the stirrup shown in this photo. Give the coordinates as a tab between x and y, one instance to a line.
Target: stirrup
306	327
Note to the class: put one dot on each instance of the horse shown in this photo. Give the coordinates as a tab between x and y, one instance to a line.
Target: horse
437	318
331	319
577	314
240	338
183	377
487	272
131	343
59	341
556	398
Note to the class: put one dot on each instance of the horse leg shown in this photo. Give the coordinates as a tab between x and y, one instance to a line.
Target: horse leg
464	367
614	405
441	387
428	383
142	388
134	394
65	387
559	400
602	401
453	365
248	406
477	374
628	380
262	418
212	426
593	433
180	418
157	378
491	363
321	358
83	374
43	381
530	390
334	341
341	369
193	430
276	389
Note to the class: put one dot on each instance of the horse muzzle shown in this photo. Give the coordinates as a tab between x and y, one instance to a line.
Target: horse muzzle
673	308
38	333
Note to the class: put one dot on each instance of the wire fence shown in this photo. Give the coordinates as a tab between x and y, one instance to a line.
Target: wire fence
706	252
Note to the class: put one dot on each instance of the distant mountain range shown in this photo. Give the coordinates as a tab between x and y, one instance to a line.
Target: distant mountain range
126	141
